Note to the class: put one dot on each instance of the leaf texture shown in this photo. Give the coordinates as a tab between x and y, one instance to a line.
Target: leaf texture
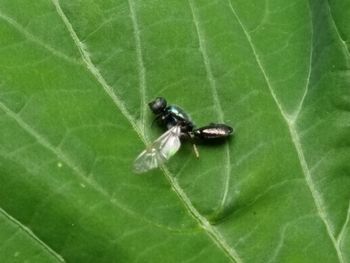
75	79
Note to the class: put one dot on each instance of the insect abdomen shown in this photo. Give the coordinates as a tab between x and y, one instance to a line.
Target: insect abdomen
213	131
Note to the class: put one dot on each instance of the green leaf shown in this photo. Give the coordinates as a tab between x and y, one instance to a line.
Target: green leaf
75	79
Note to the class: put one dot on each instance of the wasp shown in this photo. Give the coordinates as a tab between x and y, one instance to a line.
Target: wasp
178	126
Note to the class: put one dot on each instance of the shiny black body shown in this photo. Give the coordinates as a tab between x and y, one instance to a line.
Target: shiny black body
213	131
169	116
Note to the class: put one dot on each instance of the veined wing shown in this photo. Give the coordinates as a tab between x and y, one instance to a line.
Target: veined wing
159	151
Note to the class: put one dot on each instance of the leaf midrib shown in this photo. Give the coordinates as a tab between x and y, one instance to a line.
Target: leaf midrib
202	221
209	229
77	170
290	123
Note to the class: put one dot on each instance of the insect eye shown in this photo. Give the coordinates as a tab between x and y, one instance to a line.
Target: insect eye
158	105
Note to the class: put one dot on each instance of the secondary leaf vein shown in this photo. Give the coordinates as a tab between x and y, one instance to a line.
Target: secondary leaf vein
95	71
212	82
306	89
36	40
343	42
61	155
140	63
340	237
30	233
296	141
214	234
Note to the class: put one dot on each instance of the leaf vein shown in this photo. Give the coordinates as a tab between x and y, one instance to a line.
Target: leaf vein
213	87
32	236
340	237
95	71
343	42
214	234
61	155
36	40
296	113
296	141
140	63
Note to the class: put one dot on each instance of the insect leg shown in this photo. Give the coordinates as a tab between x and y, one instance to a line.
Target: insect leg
159	116
196	152
195	149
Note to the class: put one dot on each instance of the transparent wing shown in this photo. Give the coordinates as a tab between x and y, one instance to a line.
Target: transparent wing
159	151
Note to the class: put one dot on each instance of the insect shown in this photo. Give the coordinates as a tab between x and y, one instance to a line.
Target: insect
179	126
170	116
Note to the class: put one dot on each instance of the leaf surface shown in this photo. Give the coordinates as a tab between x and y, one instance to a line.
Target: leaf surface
76	77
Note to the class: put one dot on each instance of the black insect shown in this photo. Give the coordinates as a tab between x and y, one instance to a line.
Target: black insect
170	116
179	126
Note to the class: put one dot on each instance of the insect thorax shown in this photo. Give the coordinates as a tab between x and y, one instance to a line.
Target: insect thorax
178	113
